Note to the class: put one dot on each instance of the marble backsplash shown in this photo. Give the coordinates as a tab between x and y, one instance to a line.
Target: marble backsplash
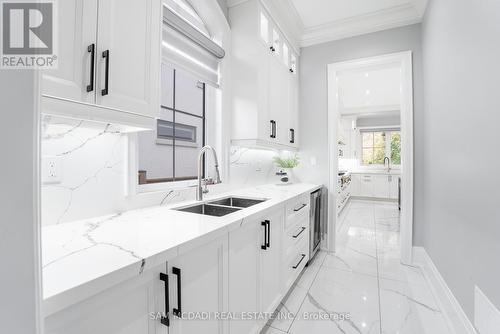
252	166
93	159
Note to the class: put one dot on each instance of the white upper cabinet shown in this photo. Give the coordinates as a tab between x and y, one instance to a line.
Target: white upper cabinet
109	62
265	84
128	75
74	78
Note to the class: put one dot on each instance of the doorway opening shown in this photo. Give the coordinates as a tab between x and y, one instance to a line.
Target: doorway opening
370	139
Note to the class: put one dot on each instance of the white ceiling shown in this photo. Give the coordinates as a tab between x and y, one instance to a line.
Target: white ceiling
325	20
370	90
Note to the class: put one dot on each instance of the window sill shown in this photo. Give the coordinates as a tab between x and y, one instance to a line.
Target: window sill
166	186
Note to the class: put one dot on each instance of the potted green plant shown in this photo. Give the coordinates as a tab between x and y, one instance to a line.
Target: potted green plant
285	166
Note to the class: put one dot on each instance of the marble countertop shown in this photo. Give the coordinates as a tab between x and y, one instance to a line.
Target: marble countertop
85	257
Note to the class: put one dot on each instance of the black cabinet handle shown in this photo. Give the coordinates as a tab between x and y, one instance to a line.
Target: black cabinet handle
91	49
165	319
268	243
105	91
272	48
273	129
298	264
297	235
301	207
178	311
264	246
292	136
291	70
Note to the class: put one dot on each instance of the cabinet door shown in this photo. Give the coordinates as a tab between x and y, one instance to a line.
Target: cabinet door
129	30
279	99
380	186
270	263
354	187
77	21
201	278
366	185
244	249
129	308
393	186
293	118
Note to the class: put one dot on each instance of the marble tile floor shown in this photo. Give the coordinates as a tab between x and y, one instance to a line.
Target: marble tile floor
362	288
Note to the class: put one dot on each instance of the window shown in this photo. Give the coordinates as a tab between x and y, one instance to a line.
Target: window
285	54
170	153
264	28
276	42
293	63
376	145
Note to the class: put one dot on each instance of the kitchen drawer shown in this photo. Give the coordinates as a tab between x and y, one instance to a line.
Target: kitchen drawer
296	209
295	263
295	236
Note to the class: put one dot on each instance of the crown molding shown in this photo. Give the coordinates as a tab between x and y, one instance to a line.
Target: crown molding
389	18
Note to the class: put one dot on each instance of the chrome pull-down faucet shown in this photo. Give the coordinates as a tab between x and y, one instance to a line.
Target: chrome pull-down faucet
199	188
388	163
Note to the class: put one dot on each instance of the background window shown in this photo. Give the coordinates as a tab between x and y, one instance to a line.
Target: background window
170	153
396	148
376	145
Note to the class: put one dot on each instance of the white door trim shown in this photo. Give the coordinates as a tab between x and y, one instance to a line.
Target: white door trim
405	61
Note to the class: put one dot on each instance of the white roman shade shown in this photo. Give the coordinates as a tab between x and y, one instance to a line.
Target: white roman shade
187	47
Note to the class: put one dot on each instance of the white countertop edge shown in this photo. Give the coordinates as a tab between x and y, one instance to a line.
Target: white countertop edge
57	302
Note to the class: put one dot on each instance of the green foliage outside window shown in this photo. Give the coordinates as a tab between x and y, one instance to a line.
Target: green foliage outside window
396	148
375	147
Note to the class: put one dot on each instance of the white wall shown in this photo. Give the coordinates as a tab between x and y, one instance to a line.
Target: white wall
461	226
19	210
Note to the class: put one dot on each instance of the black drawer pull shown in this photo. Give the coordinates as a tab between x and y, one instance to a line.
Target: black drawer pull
105	91
292	136
165	319
264	246
301	207
91	49
178	311
298	264
301	231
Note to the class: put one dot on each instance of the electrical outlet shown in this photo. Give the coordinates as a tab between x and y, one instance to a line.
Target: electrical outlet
51	170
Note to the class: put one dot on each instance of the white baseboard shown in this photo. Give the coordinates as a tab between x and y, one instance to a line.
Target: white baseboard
457	320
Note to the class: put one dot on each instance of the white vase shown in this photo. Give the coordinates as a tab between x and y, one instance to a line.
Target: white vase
286	176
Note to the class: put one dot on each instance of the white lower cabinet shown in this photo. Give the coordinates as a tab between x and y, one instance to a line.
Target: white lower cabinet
375	186
128	308
270	263
255	283
393	186
244	273
198	289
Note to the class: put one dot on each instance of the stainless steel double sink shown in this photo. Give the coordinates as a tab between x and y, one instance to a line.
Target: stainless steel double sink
222	207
